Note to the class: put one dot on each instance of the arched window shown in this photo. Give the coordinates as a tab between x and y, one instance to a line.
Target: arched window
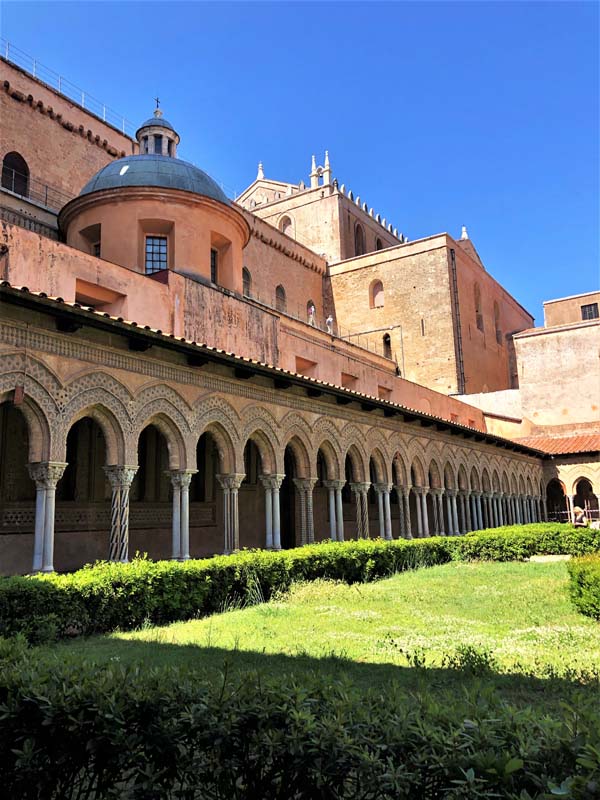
378	244
311	312
286	226
387	345
497	323
376	295
247	282
280	301
359	240
478	313
15	174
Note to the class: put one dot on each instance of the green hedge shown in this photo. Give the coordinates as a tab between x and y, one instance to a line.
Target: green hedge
107	597
70	732
584	582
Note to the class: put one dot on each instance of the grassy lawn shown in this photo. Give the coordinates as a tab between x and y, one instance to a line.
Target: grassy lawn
517	617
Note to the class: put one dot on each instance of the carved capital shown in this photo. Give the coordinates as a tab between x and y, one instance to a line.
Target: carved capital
181	477
334	484
451	492
233	481
360	488
382	488
304	484
272	481
120	477
46	474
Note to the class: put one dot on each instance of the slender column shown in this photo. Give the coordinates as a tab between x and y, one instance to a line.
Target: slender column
230	485
388	514
332	521
304	487
451	529
362	511
479	511
301	494
466	495
417	491
277	481
385	514
45	474
266	482
424	511
405	499
339	510
176	528
544	509
120	479
571	507
379	491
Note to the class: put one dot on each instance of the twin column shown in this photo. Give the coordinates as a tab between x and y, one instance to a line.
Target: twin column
45	474
336	510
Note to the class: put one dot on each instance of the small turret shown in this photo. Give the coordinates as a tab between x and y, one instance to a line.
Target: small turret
158	137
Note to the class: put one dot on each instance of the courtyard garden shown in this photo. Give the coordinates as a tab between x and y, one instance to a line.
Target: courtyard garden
439	668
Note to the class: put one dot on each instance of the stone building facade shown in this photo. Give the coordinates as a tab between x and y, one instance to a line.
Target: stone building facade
184	375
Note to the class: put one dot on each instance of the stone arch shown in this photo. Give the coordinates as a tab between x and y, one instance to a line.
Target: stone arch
38	427
449	478
110	425
529	486
332	460
168	420
521	485
376	440
417	472
359	463
400	469
514	489
583	474
505	483
351	436
224	444
463	479
380	465
302	454
434	475
214	409
486	484
495	481
262	427
475	482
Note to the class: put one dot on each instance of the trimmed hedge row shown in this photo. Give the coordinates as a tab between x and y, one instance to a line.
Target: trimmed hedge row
110	596
70	732
584	584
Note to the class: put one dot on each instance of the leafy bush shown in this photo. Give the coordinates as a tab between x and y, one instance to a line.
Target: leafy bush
71	731
584	584
110	596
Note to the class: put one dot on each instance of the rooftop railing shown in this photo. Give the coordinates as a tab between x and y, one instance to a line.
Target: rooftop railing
32	189
64	86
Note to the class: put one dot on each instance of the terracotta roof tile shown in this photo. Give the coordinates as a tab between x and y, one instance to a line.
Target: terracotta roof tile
561	445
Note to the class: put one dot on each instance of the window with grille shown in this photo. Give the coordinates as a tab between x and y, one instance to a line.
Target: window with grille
214	265
156	254
590	311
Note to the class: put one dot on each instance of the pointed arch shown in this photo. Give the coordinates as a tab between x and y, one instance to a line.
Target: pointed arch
380	465
332	460
475	483
38	427
417	472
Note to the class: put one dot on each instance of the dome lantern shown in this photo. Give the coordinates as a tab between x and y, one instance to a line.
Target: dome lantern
156	136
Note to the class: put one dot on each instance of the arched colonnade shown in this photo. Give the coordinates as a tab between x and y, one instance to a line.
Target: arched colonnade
291	477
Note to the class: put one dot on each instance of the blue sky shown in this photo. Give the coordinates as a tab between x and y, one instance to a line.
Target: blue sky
436	114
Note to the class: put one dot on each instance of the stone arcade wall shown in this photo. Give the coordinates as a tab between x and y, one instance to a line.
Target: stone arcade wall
92	372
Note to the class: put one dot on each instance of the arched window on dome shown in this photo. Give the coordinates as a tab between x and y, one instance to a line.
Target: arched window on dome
15	174
376	294
247	282
286	225
478	312
359	240
280	300
387	345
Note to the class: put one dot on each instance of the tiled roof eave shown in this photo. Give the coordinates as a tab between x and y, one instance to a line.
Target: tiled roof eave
56	306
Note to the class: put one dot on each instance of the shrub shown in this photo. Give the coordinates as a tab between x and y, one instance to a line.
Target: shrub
584	584
71	731
110	596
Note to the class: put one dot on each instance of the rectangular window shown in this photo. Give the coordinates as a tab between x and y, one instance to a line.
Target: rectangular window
156	254
214	265
96	249
158	144
590	311
145	145
169	147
